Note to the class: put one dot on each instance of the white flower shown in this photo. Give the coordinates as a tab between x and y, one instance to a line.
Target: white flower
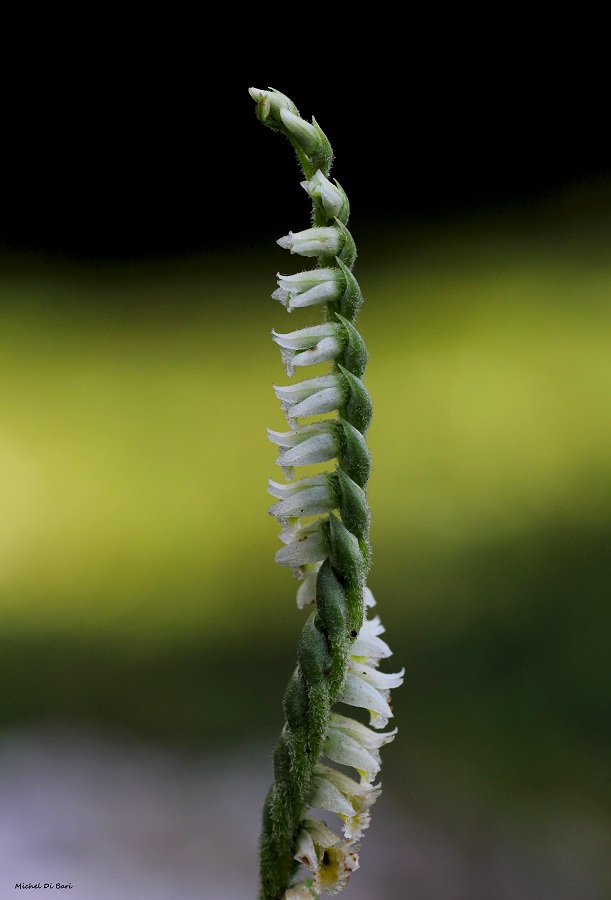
340	794
351	743
366	687
305	134
305	445
347	750
309	288
331	197
313	241
329	857
368	644
311	397
309	346
303	545
305	497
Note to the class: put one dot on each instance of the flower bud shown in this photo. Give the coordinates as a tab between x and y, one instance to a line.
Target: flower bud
330	198
305	134
323	241
271	102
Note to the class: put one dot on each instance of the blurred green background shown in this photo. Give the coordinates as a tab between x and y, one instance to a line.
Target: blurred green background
138	589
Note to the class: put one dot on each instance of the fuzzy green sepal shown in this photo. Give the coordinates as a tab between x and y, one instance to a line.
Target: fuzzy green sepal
355	354
353	506
351	299
354	456
345	554
358	408
332	609
312	652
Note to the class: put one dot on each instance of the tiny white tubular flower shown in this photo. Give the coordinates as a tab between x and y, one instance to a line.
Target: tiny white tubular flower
368	645
364	686
323	240
305	497
305	134
340	794
305	445
330	197
347	750
309	288
311	397
309	346
303	546
351	743
331	859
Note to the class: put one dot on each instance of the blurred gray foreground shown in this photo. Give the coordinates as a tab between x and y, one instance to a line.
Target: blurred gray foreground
120	820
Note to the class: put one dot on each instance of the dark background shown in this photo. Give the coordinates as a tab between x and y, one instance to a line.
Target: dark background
145	153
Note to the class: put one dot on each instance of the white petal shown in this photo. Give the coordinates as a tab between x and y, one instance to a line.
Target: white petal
343	749
297	435
306	549
305	337
306	593
368	644
322	402
326	795
368	597
302	484
383	681
371	740
304	281
305	851
321	293
325	350
358	692
316	449
310	397
361	795
309	502
313	241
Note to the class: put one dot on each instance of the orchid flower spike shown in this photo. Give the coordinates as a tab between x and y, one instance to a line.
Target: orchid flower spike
324	521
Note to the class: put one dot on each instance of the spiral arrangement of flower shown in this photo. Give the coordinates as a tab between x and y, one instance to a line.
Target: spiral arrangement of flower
324	522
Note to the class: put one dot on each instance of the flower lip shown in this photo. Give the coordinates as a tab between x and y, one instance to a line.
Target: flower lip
329	857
